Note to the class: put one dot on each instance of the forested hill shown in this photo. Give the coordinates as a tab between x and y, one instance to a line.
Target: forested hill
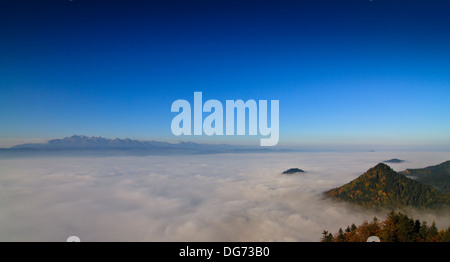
436	176
382	187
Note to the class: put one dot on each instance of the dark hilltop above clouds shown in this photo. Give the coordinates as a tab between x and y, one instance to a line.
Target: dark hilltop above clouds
394	161
293	171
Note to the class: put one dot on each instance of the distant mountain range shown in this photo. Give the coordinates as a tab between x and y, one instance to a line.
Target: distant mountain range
94	145
91	142
437	176
96	142
382	187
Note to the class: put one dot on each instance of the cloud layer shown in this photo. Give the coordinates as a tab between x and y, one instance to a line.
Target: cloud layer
221	197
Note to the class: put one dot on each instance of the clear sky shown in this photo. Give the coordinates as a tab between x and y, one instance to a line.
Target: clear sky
345	72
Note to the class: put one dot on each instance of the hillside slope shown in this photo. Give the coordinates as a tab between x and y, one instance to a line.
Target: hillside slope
381	186
437	176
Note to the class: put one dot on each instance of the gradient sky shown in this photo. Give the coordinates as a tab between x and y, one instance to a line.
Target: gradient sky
345	72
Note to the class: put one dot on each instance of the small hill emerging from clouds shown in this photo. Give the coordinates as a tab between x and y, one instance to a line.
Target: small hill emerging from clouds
382	187
437	176
394	161
293	171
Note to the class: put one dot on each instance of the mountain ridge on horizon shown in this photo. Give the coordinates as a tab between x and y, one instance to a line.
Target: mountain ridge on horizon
81	145
98	142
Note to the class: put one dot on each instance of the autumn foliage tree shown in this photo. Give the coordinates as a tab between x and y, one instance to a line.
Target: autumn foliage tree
397	227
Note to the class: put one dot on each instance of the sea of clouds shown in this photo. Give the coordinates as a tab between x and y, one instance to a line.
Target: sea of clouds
216	197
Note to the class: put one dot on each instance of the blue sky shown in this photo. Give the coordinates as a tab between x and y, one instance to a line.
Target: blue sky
345	72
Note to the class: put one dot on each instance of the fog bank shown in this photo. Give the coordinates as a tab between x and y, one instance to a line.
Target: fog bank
220	197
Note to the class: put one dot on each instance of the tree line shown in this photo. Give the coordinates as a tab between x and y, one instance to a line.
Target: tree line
397	227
